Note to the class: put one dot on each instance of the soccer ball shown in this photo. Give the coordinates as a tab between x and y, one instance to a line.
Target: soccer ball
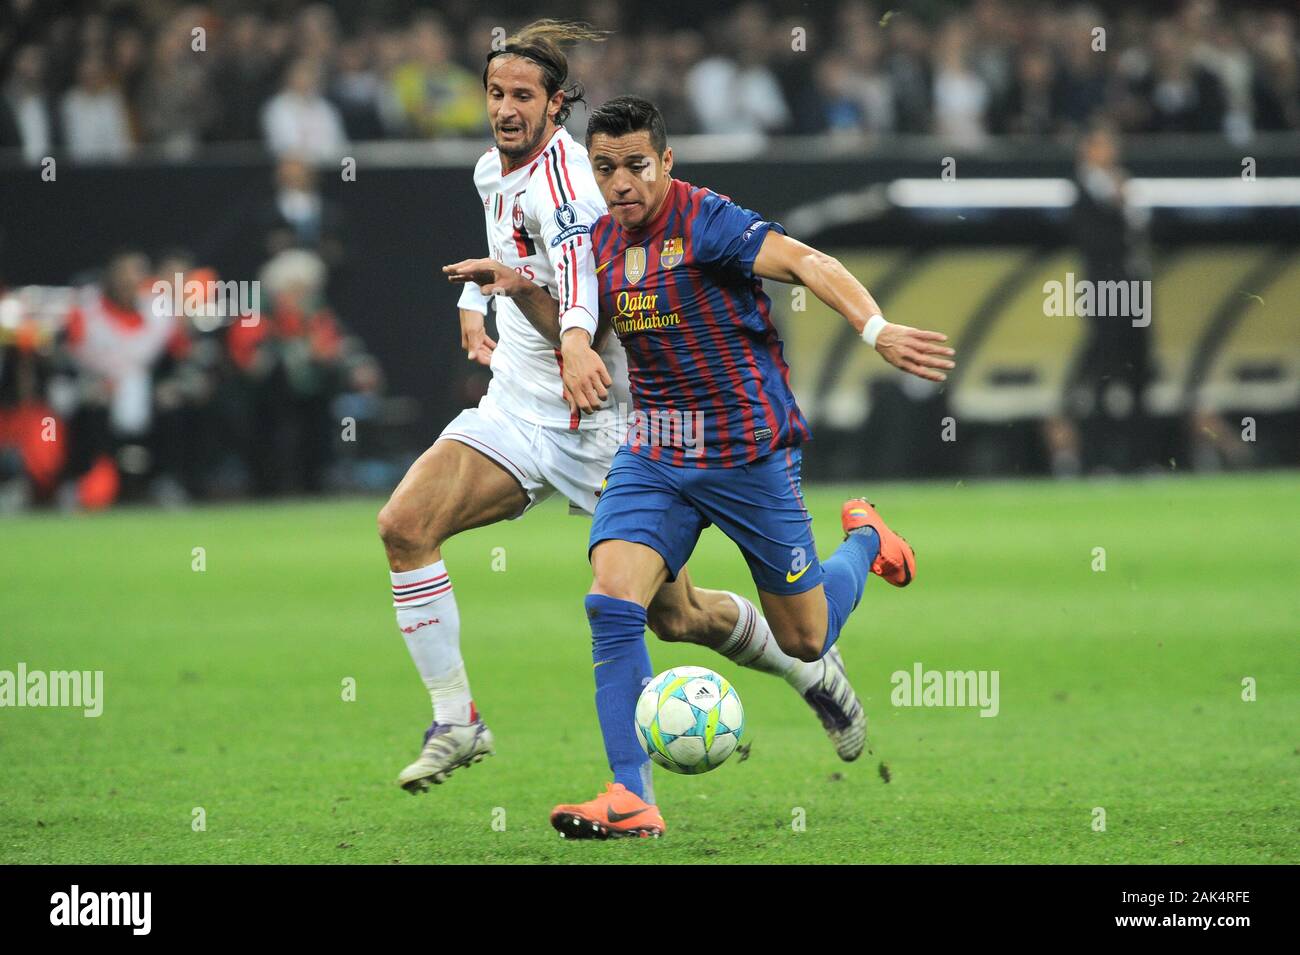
689	719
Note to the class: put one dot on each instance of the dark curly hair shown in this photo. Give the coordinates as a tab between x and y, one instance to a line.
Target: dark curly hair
543	42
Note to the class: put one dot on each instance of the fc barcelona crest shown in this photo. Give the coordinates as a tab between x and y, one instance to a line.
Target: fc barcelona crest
671	256
634	264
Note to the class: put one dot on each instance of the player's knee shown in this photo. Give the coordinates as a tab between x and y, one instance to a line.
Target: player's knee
810	649
404	529
391	524
803	642
611	579
612	586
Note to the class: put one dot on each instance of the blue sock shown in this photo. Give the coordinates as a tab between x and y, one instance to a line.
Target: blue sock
846	573
622	668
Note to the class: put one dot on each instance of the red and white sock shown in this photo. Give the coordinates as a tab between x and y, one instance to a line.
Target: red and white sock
430	623
752	645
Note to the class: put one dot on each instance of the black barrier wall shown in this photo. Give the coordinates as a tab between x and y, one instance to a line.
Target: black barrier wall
398	225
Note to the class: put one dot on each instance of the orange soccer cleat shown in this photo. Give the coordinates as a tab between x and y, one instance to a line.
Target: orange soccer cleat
614	813
896	561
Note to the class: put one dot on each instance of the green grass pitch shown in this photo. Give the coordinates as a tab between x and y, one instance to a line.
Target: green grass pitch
1119	689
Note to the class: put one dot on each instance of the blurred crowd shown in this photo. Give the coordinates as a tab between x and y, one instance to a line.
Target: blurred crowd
308	78
154	380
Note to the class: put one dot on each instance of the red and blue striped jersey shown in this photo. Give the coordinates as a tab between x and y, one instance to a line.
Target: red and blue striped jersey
703	355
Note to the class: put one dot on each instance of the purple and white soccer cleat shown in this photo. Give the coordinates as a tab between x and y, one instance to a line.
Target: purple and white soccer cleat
447	747
836	704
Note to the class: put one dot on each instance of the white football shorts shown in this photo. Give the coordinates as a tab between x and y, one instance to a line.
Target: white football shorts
543	460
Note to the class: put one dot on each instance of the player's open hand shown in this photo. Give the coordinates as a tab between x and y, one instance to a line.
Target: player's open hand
916	351
491	277
474	339
586	380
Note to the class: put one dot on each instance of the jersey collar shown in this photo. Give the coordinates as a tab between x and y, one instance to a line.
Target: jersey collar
527	164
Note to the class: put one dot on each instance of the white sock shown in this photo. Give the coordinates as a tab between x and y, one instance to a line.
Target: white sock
752	645
430	622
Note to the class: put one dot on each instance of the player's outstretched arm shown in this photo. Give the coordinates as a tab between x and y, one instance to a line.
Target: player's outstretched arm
494	278
916	351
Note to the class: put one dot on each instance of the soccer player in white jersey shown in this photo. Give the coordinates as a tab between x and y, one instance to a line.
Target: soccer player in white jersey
547	423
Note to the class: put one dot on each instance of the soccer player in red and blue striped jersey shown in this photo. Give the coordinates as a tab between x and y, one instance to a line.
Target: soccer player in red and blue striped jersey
715	432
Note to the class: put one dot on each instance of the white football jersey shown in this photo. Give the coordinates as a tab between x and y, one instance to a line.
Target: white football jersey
539	218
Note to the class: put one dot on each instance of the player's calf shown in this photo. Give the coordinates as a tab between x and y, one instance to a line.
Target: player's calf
449	488
683	613
798	621
675	626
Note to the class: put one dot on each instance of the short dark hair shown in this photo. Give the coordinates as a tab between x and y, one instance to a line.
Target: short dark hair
628	114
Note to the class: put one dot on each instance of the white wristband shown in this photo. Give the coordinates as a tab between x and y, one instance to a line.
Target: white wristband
874	324
578	317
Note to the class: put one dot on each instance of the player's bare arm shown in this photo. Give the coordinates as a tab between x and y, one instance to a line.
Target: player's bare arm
495	278
586	381
914	350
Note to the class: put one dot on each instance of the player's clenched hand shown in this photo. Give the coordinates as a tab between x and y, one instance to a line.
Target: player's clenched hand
491	277
916	351
474	338
586	380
